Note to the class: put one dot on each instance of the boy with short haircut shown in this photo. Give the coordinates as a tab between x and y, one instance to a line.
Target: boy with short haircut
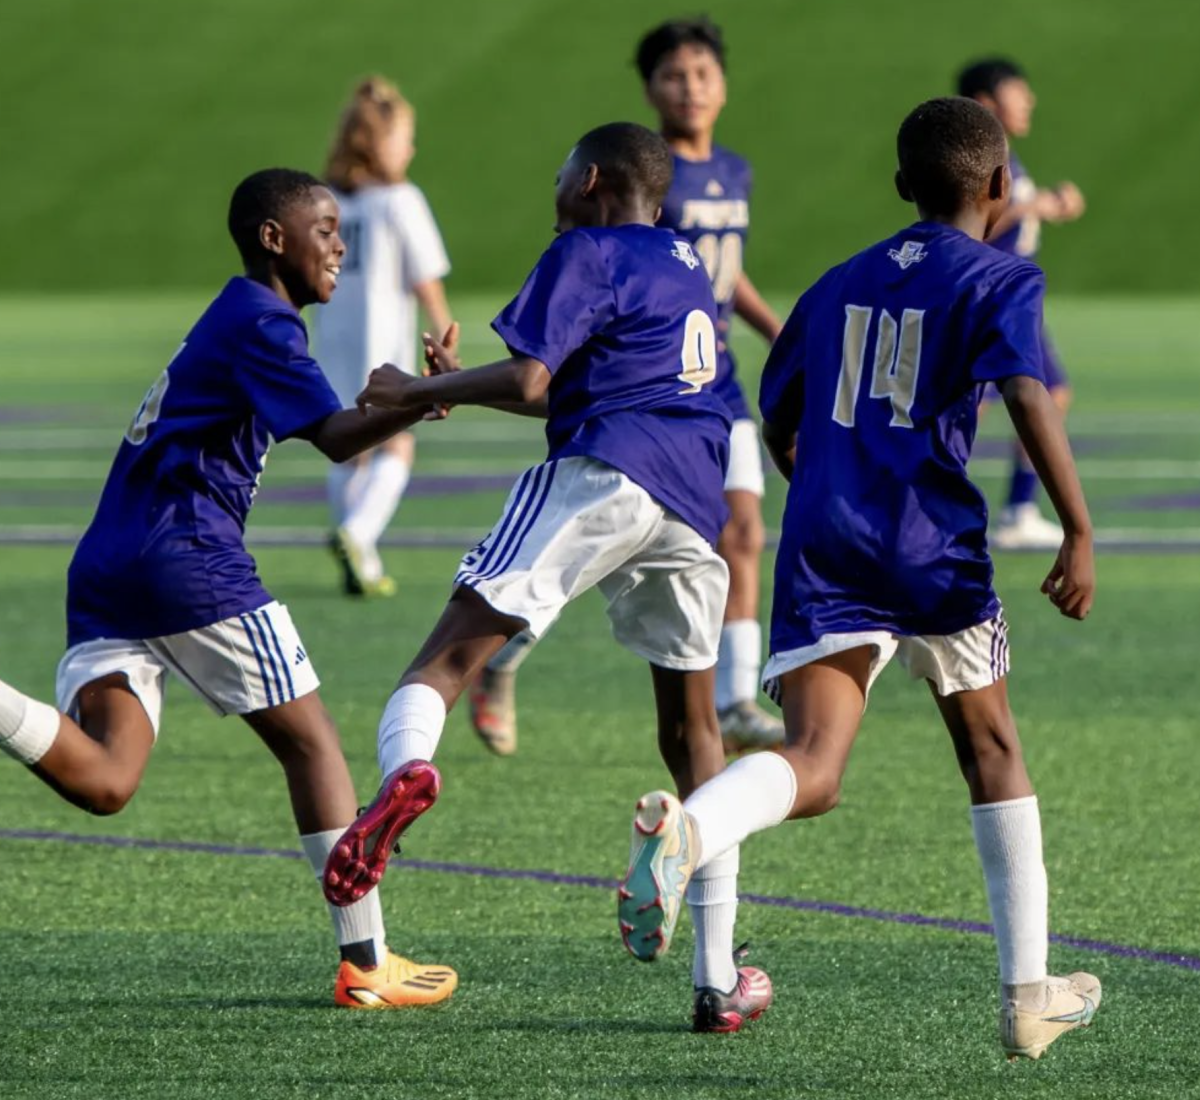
682	65
613	339
1002	87
869	400
161	580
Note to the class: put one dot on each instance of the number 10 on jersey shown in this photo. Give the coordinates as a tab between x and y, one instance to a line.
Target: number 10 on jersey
897	363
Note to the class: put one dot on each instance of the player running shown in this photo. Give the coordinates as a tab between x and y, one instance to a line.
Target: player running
612	338
682	65
869	401
161	580
395	261
1001	86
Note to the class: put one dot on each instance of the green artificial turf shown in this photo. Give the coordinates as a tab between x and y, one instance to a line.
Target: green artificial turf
163	973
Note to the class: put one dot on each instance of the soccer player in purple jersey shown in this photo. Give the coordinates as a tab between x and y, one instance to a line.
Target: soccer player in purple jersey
613	339
161	581
869	401
682	64
1001	86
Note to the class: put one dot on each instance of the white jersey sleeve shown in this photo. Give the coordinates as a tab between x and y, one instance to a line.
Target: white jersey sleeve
423	253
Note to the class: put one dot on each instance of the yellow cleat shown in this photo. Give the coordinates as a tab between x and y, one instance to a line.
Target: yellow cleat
398	983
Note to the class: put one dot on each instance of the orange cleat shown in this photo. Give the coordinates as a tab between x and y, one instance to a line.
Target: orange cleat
398	983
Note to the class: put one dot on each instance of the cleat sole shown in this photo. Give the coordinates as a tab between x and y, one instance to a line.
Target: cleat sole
358	861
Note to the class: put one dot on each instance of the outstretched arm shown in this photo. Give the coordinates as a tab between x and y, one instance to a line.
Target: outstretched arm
517	382
1071	583
349	432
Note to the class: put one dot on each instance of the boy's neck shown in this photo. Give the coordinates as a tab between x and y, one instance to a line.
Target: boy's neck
972	222
690	146
268	277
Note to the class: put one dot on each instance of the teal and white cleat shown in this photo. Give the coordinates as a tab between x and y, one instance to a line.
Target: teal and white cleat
662	858
1032	1018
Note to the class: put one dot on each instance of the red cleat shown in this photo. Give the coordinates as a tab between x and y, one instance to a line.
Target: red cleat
360	857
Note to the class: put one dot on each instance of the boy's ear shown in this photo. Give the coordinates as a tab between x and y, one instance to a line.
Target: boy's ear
270	236
998	184
591	177
902	187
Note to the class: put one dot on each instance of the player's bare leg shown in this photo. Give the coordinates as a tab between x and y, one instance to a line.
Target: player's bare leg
303	738
305	741
822	706
744	724
726	995
1036	1008
468	633
97	763
493	697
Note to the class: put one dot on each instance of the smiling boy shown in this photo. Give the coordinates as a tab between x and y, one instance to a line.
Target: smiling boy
161	581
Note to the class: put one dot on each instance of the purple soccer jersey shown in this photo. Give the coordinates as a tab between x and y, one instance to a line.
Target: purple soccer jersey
624	318
165	552
709	205
879	369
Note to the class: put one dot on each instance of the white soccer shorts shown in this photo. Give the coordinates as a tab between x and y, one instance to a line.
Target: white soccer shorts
745	471
967	661
240	665
576	523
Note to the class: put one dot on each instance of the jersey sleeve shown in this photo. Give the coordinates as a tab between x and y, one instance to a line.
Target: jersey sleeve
421	244
282	382
779	395
567	298
1010	333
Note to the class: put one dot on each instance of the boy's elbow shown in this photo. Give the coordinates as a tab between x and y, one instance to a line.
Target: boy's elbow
534	378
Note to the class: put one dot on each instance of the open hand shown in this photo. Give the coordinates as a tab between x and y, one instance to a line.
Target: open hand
441	357
1071	583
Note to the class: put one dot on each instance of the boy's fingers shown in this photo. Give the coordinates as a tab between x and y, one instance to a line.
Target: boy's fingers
450	340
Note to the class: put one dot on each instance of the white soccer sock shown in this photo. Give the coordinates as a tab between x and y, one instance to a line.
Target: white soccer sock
343	487
27	728
752	794
411	726
387	478
739	660
513	655
1009	838
713	901
363	920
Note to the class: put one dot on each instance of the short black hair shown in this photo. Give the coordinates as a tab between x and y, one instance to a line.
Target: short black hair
668	37
632	159
983	77
265	196
948	149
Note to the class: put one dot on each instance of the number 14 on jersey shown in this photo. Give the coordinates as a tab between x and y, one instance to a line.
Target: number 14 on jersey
897	363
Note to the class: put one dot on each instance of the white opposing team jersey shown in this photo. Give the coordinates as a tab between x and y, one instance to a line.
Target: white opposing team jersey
392	244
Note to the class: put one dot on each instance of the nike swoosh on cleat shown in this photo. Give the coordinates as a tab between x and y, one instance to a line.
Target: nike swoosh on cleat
1079	1016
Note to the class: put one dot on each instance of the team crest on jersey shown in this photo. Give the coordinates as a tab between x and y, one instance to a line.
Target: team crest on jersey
683	252
713	189
909	253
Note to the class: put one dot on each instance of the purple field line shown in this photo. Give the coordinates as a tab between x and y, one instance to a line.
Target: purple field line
555	878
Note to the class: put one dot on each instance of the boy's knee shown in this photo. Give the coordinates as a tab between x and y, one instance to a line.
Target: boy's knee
817	795
111	797
744	536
